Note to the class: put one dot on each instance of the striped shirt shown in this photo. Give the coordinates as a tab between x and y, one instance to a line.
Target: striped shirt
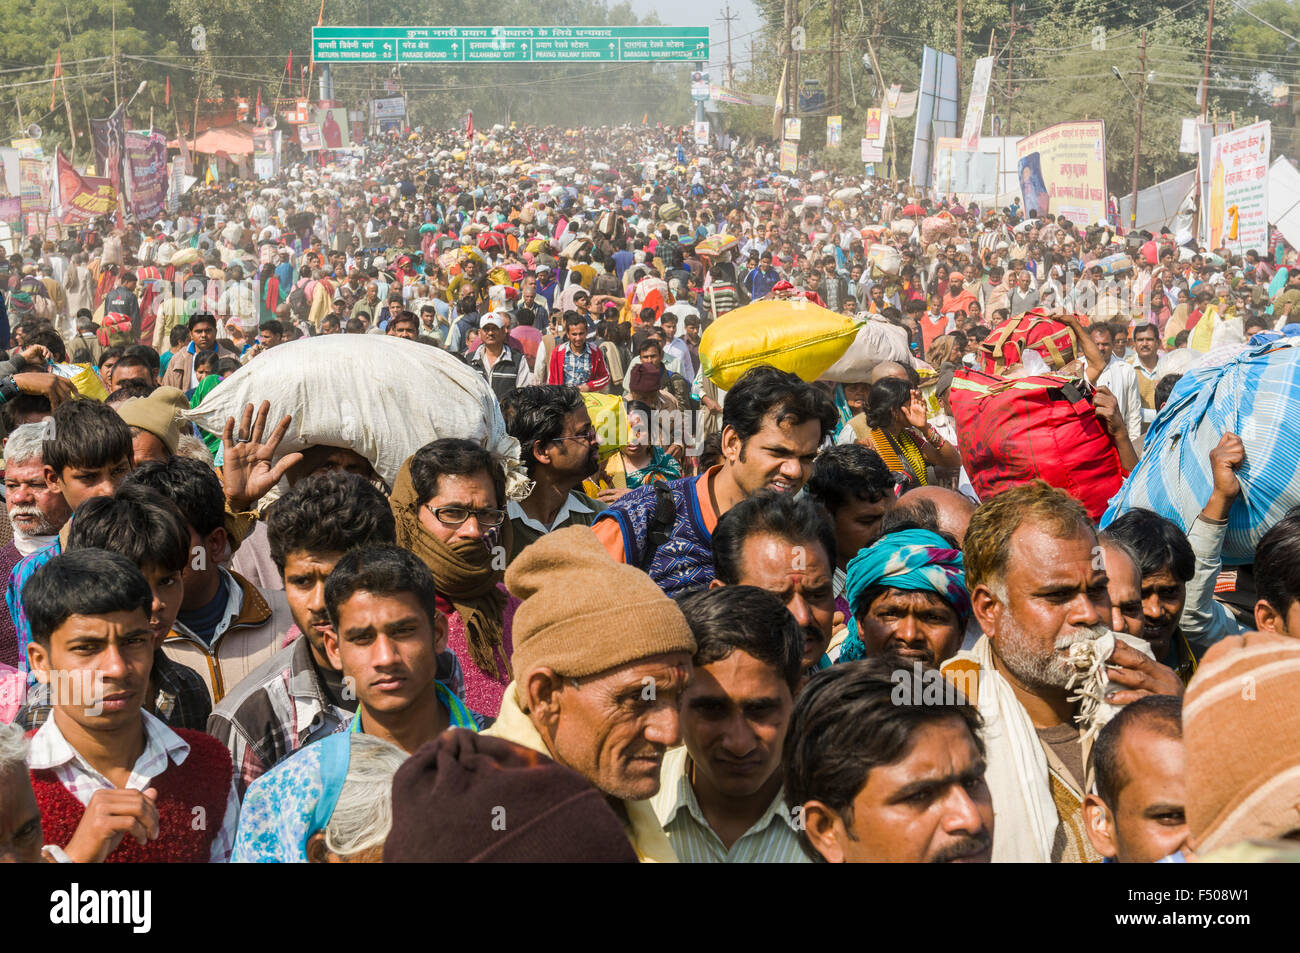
51	751
770	840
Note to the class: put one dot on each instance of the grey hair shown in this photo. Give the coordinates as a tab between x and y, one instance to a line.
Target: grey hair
13	748
191	446
364	813
25	443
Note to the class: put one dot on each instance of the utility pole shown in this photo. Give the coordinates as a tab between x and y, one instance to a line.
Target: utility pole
959	13
787	38
726	18
1011	41
835	54
1205	76
1137	136
116	97
794	64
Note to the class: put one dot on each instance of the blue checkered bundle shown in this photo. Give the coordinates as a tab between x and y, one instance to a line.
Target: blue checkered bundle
1255	395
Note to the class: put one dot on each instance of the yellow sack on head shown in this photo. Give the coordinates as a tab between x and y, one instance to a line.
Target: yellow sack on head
83	378
609	417
792	335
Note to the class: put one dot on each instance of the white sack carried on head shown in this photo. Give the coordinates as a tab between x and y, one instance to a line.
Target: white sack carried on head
382	396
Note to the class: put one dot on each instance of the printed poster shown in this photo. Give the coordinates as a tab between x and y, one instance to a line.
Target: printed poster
1238	202
1062	171
789	155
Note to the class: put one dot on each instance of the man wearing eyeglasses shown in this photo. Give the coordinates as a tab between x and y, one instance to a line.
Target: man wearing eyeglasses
448	501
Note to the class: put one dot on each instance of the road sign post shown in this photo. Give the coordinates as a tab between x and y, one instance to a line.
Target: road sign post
502	44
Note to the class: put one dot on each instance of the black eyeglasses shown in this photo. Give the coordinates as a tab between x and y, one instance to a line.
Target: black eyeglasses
456	515
588	435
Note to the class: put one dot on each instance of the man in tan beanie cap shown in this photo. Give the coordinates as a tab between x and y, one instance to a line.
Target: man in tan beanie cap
1241	728
155	423
601	658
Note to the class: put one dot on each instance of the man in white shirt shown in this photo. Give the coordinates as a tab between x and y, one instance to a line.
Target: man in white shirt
109	777
1149	366
1121	379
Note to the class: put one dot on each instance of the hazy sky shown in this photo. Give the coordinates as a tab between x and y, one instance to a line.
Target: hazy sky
708	13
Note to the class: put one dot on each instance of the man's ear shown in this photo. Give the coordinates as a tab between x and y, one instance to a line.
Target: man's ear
52	478
540	455
38	660
317	852
216	544
1267	619
986	608
1097	821
331	641
824	828
543	688
440	633
731	444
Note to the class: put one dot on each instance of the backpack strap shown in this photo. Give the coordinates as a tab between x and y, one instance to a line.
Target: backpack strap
660	525
860	429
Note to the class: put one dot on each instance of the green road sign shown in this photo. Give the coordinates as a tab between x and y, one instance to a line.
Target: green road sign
503	44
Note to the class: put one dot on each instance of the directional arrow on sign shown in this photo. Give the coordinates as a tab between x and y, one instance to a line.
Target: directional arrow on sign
388	47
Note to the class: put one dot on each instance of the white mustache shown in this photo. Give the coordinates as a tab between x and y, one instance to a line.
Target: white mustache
1081	635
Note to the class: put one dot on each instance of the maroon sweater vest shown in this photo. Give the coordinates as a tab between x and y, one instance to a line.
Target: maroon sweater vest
202	781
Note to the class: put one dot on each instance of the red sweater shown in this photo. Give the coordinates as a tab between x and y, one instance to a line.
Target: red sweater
599	372
202	781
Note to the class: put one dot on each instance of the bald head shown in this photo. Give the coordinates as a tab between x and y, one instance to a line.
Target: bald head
887	369
952	508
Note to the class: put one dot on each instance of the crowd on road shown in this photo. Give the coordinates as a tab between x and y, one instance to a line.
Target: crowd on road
805	617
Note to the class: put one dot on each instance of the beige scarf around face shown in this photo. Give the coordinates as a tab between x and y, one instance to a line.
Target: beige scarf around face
464	575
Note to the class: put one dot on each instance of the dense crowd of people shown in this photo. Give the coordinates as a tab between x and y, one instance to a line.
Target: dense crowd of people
784	621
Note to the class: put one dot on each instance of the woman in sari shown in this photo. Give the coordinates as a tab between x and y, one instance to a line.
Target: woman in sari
902	436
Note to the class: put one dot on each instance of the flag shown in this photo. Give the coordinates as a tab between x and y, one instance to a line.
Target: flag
469	126
167	94
257	109
58	71
288	66
320	20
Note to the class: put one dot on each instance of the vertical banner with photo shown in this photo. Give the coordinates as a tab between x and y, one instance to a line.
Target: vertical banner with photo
333	124
979	95
873	125
1062	171
33	186
872	152
834	130
1238	196
792	129
789	155
263	154
146	161
10	187
109	137
702	133
309	139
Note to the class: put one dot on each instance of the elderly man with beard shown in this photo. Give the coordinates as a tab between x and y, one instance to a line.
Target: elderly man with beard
599	674
881	770
721	799
1036	589
37	511
907	593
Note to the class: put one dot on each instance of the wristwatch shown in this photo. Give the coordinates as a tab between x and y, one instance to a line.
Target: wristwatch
8	389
